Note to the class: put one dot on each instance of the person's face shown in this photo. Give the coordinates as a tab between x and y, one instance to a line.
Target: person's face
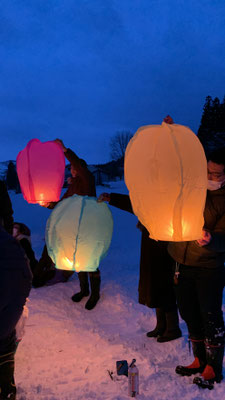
73	172
216	172
16	230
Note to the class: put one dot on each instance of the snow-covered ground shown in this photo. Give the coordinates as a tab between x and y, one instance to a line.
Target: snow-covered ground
67	350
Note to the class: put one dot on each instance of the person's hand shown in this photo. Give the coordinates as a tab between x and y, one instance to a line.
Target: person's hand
168	120
69	180
60	142
103	197
206	238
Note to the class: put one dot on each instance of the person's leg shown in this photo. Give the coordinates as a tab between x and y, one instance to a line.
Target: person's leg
95	281
44	270
160	323
7	364
172	330
84	287
189	308
210	292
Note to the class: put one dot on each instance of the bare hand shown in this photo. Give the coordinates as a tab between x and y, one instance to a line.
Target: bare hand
168	120
69	180
103	197
60	142
206	238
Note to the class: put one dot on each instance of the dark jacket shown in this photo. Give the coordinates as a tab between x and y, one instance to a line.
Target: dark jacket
15	283
26	245
155	281
83	184
6	211
212	255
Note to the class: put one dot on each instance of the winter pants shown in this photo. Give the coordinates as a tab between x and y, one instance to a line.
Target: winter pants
199	296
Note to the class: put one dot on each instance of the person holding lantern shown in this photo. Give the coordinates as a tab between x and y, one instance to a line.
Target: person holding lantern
81	183
156	278
15	285
200	280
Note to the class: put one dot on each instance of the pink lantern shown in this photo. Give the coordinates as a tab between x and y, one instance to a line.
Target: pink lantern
41	169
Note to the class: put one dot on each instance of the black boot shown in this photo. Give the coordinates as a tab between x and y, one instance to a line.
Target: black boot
84	287
213	369
160	323
7	384
199	362
172	327
95	281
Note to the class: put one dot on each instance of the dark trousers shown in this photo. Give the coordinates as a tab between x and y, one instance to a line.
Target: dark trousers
199	296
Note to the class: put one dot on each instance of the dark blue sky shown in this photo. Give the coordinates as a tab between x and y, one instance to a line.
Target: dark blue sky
82	69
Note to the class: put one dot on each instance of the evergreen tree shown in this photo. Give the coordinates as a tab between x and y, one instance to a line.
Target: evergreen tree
12	180
211	132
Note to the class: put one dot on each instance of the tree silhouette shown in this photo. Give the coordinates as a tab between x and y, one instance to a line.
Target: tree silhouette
211	131
118	144
12	180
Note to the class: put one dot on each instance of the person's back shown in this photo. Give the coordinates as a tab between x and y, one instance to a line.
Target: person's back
15	284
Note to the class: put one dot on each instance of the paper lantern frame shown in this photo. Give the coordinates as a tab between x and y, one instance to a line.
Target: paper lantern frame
78	233
166	175
41	171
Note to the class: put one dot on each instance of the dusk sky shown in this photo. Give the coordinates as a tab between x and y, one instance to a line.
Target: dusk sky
80	70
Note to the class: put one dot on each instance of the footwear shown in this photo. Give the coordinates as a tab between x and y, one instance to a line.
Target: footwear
169	335
84	287
172	331
77	297
207	378
199	363
191	369
213	369
95	281
160	324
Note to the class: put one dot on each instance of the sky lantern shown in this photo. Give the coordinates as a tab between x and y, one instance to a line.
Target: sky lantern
78	233
166	174
41	170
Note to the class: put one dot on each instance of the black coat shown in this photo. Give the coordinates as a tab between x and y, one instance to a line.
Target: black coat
156	277
212	255
6	211
25	243
15	284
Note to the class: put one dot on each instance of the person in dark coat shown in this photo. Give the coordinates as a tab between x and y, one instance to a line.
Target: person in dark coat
15	285
156	277
81	183
6	211
22	233
200	283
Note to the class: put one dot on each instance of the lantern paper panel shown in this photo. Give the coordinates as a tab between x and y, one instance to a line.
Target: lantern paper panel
166	174
41	171
78	233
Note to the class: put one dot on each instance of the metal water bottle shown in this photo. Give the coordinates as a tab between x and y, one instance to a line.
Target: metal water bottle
133	379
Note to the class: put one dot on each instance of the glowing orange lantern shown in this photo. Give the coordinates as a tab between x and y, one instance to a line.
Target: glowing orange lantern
41	169
166	174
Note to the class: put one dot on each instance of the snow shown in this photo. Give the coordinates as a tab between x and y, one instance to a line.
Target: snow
67	350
